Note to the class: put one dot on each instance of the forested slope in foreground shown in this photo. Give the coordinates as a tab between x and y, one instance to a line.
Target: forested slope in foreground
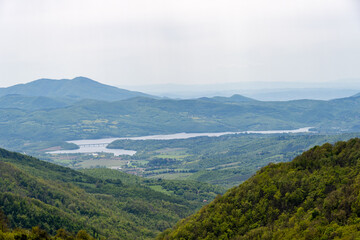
316	196
37	233
37	193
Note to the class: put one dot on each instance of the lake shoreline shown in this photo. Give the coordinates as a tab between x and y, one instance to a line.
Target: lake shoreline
100	145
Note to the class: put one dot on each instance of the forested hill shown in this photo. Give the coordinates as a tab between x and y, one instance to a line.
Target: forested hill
89	119
37	193
316	196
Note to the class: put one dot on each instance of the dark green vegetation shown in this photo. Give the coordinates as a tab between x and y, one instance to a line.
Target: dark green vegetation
316	196
37	233
36	193
227	160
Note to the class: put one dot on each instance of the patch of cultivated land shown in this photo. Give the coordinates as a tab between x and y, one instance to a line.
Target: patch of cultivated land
108	163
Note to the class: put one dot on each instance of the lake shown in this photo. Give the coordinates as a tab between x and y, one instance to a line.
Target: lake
99	145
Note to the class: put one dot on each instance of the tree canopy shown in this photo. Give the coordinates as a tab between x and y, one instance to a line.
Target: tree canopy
316	196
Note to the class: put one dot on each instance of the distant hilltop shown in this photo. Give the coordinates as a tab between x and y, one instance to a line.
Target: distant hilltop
75	89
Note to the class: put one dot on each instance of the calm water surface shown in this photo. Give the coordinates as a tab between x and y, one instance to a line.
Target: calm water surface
99	145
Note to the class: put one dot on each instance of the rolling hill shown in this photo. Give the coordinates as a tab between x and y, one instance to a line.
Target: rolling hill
31	103
316	196
74	89
145	116
233	99
356	95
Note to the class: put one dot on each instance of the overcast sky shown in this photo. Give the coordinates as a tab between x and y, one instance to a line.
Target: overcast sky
141	42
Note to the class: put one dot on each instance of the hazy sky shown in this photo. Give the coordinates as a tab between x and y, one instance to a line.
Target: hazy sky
136	42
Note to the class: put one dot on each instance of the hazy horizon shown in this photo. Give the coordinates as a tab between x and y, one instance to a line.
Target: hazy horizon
264	91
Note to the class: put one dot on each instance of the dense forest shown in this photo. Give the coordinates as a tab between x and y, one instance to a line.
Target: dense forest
316	196
37	233
37	193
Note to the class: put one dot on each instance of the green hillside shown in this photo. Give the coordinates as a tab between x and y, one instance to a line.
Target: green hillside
189	190
144	116
32	103
316	196
37	233
37	193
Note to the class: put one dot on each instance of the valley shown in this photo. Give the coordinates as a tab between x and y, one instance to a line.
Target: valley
179	120
219	140
172	158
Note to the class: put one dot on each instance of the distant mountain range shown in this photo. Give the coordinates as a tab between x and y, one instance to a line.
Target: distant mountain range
51	94
74	89
57	93
264	91
279	94
79	88
234	98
